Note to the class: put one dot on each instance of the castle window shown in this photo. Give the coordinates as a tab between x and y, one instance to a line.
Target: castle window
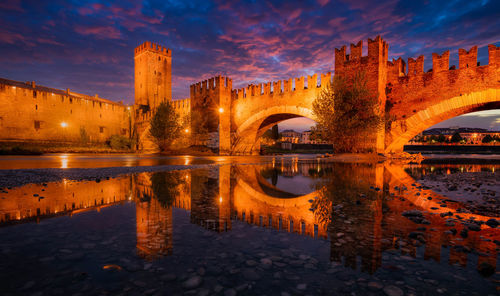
37	124
100	105
36	107
34	94
71	100
159	59
101	129
71	111
62	99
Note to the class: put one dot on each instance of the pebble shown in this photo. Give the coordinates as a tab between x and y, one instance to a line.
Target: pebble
230	292
393	291
250	274
375	286
192	282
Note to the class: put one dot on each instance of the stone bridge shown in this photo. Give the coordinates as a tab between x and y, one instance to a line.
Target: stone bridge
411	99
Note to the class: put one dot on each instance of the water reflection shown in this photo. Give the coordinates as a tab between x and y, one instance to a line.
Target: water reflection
362	209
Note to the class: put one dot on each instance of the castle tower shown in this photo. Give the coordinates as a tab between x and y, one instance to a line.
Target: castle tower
375	68
153	74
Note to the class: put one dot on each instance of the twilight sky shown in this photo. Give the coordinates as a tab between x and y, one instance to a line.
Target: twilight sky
87	46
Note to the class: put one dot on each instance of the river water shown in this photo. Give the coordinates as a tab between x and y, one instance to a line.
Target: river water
251	226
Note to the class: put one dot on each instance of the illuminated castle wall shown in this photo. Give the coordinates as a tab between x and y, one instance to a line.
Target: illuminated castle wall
29	112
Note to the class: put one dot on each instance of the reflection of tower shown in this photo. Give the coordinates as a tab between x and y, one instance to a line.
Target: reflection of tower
361	234
210	198
154	229
153	220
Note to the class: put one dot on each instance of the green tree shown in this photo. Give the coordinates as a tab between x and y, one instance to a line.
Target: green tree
120	142
487	139
355	111
456	138
165	126
441	139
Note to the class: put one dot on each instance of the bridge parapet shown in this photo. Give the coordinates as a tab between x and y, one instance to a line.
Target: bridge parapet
419	100
281	87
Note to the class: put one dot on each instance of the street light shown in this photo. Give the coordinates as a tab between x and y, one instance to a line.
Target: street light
186	130
64	124
221	110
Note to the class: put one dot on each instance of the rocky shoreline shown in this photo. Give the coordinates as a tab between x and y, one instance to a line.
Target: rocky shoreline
477	191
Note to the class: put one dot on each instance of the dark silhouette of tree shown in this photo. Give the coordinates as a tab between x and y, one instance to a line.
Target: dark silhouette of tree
165	126
487	139
456	138
275	132
165	187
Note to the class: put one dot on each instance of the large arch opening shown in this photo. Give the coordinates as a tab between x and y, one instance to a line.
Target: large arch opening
405	130
250	136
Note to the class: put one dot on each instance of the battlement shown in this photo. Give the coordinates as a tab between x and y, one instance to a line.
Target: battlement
493	55
377	51
395	69
467	59
416	66
282	86
210	85
153	47
441	62
31	85
181	103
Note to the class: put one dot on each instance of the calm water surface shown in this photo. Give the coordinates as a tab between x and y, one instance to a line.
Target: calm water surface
285	226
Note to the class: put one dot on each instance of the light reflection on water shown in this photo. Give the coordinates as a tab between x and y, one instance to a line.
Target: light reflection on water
357	208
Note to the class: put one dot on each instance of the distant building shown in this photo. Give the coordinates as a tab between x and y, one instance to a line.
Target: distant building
290	136
470	136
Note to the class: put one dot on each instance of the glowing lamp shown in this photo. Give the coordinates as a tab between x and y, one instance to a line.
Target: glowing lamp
221	110
220	199
186	130
64	124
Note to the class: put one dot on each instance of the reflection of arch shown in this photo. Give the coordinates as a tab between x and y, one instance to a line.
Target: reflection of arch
476	101
248	133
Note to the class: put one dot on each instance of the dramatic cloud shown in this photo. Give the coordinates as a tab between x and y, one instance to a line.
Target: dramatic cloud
88	45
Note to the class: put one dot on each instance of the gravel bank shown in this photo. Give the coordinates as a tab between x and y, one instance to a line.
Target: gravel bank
478	191
16	178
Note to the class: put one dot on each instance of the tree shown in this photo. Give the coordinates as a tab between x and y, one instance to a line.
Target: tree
350	104
441	139
165	126
487	139
456	138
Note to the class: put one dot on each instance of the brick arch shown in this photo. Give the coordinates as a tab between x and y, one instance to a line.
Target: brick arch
404	130
248	133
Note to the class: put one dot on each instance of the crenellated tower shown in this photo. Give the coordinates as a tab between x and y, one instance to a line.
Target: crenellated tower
375	66
153	75
212	98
